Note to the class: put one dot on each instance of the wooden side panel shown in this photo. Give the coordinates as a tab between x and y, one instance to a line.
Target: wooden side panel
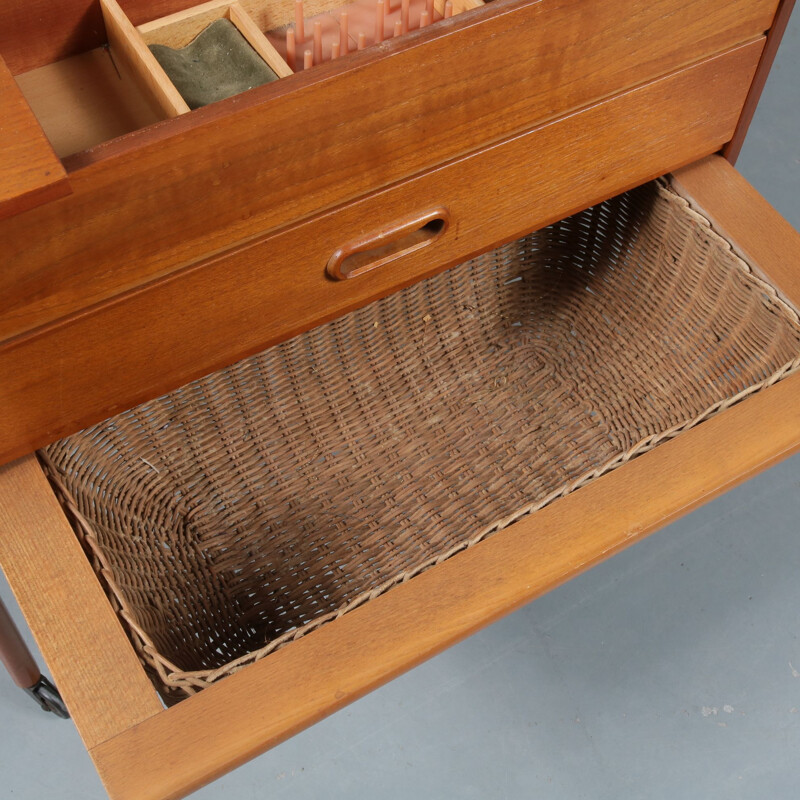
734	146
30	172
91	659
65	377
183	748
157	200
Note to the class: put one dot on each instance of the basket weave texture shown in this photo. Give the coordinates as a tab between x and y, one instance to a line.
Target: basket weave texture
241	511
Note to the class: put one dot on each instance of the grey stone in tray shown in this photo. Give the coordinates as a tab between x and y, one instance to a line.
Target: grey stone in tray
218	63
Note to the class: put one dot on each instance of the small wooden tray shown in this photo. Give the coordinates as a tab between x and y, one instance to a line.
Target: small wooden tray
131	44
177	30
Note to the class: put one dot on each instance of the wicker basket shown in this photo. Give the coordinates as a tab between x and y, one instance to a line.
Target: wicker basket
243	510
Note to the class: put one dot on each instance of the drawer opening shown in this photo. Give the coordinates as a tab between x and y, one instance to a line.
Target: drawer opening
121	86
245	509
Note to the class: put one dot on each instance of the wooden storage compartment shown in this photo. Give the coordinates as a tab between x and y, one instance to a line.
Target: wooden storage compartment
86	99
674	376
86	93
242	511
178	31
186	189
104	93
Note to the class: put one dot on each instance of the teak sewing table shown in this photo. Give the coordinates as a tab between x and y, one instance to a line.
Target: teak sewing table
143	248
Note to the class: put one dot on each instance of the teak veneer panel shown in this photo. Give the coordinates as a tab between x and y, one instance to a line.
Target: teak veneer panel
171	754
88	653
161	336
159	199
30	172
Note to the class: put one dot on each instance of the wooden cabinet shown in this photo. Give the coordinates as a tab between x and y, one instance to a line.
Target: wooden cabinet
279	171
135	263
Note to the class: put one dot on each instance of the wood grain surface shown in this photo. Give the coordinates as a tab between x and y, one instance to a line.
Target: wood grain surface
86	99
157	200
30	172
248	28
89	655
143	344
173	753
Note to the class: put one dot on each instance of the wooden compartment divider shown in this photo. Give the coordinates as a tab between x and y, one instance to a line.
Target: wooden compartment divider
128	44
178	29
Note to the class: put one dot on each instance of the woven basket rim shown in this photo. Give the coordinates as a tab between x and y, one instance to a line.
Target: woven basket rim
183	683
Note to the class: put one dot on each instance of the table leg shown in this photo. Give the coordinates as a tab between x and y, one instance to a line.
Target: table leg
22	668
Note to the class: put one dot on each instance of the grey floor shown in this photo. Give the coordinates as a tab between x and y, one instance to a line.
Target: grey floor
671	671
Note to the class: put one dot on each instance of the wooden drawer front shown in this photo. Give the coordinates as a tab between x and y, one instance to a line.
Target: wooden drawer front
152	340
149	203
146	753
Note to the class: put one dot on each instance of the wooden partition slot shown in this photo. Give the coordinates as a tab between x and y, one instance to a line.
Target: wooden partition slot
178	30
130	47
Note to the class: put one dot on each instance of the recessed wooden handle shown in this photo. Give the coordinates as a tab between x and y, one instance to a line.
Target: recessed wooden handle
378	248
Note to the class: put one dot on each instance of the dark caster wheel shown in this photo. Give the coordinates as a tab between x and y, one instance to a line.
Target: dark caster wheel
47	696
